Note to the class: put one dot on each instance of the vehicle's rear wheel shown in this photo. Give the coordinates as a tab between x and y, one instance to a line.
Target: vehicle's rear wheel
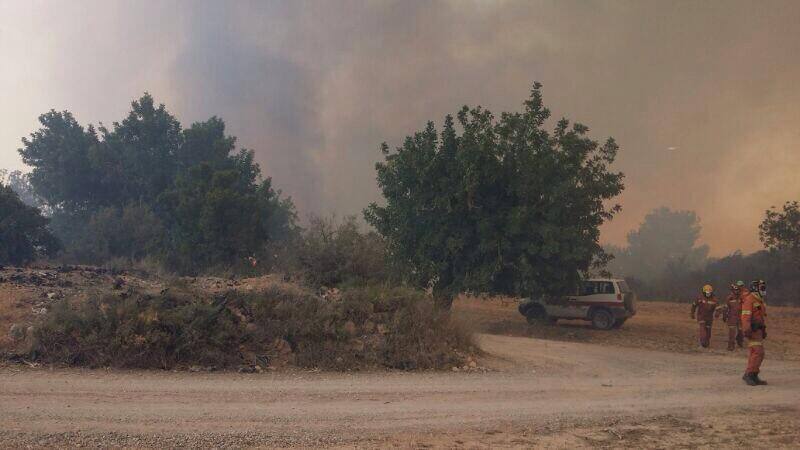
602	319
618	323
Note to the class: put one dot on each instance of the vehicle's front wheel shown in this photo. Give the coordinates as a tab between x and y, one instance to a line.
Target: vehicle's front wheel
536	315
602	319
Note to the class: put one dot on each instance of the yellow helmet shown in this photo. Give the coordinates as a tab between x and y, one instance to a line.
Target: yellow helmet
708	290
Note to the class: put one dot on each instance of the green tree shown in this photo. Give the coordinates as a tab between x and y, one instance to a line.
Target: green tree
780	230
504	207
23	230
219	217
61	155
146	186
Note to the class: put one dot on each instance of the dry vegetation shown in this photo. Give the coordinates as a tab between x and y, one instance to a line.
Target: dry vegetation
98	318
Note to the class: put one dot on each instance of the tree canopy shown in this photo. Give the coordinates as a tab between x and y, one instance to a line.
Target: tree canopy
780	230
23	230
146	186
499	206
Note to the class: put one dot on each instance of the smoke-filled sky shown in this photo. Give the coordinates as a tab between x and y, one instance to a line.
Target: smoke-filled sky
703	97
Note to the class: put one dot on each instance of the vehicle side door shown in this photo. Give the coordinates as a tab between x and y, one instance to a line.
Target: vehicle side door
569	307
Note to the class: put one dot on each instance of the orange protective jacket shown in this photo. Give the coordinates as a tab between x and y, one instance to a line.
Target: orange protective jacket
705	307
733	310
754	311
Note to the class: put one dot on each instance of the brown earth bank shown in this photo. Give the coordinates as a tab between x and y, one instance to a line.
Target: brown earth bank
646	385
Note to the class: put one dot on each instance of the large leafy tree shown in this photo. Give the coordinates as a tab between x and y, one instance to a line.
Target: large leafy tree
23	230
503	207
780	229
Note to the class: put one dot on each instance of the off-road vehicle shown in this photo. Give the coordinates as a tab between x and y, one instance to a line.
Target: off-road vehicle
606	302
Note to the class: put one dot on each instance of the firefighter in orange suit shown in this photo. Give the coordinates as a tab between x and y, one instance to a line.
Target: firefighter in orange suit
704	308
754	327
732	316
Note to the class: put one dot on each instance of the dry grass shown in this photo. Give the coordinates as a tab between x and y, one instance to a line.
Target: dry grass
657	325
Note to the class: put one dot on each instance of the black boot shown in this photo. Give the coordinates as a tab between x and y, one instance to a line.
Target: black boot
759	381
750	379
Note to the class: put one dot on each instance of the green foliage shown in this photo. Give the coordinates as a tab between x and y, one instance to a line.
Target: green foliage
504	207
132	232
780	230
664	245
62	156
139	332
146	187
217	217
368	327
331	253
23	230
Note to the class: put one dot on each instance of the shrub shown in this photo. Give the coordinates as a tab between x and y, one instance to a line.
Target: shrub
364	327
140	331
331	253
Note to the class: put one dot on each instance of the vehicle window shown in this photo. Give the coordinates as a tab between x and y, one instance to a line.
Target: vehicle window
588	288
623	287
605	287
597	287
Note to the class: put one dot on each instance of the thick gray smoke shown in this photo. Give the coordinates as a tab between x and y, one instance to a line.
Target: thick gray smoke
702	96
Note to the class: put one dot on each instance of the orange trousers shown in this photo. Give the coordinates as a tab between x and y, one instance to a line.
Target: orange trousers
704	333
734	337
756	355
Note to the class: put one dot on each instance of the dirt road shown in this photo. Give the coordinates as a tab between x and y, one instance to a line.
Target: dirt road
540	393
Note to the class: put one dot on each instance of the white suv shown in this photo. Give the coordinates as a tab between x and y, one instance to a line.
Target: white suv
606	302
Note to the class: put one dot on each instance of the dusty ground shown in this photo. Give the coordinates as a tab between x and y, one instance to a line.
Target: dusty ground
657	326
542	394
568	386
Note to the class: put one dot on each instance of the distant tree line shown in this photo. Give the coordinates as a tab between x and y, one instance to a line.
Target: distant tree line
663	261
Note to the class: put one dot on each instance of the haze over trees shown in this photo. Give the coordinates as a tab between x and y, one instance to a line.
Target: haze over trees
664	243
664	262
497	205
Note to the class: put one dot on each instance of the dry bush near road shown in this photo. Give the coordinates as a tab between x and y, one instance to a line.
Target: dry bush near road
274	325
